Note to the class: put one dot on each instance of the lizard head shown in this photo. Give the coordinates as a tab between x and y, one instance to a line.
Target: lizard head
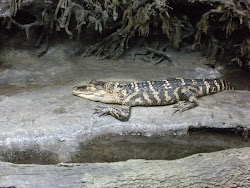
94	91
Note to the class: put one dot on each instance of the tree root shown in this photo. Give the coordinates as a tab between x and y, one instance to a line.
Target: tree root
153	53
112	46
26	27
46	47
163	54
139	18
232	16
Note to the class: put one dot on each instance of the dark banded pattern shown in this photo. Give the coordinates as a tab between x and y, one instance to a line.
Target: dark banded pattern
151	93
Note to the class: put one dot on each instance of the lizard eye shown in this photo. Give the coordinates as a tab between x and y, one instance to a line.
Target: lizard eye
91	85
93	82
99	87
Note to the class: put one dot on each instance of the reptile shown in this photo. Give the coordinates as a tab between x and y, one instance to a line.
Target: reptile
179	91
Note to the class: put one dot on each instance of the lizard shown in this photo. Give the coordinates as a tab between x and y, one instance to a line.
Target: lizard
182	92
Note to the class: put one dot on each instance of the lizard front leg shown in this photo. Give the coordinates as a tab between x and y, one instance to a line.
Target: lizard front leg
121	114
189	97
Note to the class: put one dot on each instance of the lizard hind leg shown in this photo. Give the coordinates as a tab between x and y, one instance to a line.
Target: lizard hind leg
189	97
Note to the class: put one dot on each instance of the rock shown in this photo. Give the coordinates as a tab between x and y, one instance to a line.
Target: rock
42	122
229	168
53	122
5	10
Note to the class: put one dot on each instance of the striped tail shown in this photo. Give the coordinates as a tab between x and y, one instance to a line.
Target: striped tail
221	84
227	85
210	86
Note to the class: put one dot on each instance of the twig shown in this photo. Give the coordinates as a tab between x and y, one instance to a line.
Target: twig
158	61
164	54
139	53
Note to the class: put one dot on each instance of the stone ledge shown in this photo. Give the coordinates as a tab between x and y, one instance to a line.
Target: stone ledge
228	168
54	121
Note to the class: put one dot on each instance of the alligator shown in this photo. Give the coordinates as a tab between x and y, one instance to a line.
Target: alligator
179	91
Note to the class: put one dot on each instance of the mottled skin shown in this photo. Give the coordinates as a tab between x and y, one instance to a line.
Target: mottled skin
149	93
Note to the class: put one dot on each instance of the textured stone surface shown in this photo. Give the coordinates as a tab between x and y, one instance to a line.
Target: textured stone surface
229	168
39	116
42	122
54	120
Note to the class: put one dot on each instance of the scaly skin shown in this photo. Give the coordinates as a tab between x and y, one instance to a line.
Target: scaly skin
150	93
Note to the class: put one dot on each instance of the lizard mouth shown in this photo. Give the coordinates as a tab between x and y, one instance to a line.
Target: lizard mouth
76	92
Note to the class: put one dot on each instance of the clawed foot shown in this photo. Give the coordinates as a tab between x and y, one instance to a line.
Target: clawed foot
179	106
180	110
101	111
183	106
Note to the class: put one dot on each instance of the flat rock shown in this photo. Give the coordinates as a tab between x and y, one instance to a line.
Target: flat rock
54	120
39	116
228	168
